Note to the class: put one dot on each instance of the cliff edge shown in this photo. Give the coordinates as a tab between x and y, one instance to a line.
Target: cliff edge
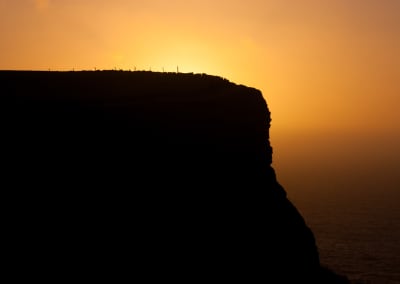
157	176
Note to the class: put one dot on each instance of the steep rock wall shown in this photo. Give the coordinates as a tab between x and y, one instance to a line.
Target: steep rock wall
155	175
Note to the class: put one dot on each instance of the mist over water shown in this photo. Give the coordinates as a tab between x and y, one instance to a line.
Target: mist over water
347	188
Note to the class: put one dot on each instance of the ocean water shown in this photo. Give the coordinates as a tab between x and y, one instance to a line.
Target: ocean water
357	236
347	187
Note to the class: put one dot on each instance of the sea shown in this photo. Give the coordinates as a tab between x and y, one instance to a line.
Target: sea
347	188
359	238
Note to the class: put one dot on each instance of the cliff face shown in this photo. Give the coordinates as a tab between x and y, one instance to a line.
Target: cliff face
155	175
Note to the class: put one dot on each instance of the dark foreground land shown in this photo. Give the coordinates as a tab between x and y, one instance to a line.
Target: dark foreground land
148	176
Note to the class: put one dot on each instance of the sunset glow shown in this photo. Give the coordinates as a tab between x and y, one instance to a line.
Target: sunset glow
312	60
323	66
329	71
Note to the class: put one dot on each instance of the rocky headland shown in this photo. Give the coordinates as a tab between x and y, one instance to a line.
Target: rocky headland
144	175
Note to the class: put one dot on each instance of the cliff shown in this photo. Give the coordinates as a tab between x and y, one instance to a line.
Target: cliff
149	175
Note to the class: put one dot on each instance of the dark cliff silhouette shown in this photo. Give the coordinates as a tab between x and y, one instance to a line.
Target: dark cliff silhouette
157	176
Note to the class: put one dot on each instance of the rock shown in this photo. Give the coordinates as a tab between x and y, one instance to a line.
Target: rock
156	176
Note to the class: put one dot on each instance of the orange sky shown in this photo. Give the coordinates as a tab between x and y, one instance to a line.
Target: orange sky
324	66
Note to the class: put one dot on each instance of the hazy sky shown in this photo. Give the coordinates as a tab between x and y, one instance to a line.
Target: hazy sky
324	66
